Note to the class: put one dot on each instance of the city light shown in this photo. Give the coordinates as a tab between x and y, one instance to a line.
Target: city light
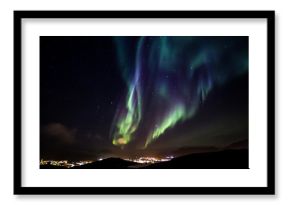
70	164
64	163
149	160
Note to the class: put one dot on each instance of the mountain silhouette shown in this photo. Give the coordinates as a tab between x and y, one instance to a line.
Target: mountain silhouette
223	159
226	159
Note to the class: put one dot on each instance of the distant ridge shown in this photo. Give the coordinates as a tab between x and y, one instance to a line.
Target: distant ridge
243	144
109	163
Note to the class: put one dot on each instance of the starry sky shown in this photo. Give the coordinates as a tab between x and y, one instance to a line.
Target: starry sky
141	95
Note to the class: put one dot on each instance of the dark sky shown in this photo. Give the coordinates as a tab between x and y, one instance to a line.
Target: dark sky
128	96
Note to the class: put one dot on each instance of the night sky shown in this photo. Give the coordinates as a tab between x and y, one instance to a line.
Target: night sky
137	96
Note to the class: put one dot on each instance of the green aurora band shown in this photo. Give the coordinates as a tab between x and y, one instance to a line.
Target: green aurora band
128	120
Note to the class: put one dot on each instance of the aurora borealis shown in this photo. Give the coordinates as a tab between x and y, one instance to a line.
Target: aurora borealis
141	95
168	78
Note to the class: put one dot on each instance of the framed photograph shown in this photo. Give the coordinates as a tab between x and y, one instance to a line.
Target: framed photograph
144	102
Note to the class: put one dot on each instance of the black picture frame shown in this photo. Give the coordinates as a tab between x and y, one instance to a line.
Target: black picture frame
269	189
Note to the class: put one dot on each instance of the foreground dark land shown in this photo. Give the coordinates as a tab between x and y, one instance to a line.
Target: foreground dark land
225	159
